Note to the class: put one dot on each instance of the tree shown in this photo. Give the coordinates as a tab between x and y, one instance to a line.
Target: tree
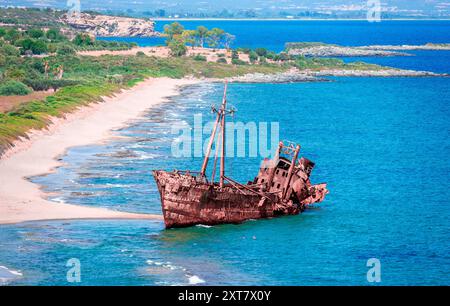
188	37
2	32
33	45
35	33
12	35
201	33
54	34
172	30
177	46
82	40
271	55
214	37
261	51
253	56
228	39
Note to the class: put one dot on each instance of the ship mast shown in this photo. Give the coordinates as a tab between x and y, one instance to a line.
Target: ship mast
222	157
219	120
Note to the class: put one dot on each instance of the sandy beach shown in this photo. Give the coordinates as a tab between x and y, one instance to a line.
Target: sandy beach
22	200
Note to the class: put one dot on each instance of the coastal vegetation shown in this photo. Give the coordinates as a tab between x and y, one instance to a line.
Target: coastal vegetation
39	60
178	38
47	60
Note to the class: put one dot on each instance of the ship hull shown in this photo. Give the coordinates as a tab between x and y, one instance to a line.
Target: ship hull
186	202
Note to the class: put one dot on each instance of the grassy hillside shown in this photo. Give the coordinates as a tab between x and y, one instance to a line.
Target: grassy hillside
31	17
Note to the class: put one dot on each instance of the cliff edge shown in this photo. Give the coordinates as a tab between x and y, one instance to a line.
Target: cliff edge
101	25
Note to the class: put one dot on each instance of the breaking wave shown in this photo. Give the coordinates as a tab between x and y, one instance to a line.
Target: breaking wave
8	275
195	280
191	278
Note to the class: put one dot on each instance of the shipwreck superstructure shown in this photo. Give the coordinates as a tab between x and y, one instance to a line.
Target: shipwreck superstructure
282	186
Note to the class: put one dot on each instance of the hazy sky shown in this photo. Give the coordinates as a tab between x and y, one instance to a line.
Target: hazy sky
405	6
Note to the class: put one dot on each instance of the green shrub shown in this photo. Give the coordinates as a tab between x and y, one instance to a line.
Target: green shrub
140	53
234	54
253	56
54	35
82	40
199	58
15	73
35	33
12	88
52	48
177	47
238	62
12	35
222	60
9	50
46	84
244	50
261	51
35	46
65	50
284	56
271	55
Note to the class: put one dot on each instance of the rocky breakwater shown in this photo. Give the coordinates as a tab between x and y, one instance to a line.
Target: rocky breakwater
109	26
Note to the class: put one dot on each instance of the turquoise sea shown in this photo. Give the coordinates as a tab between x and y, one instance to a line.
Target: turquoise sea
382	144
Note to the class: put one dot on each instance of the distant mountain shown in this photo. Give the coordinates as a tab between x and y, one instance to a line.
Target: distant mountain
252	8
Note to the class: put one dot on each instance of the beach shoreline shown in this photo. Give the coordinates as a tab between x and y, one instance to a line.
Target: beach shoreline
22	201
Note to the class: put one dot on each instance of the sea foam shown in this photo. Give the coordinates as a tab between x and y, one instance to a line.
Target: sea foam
195	280
8	275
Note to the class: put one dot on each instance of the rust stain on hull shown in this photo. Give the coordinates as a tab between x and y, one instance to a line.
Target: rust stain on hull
188	199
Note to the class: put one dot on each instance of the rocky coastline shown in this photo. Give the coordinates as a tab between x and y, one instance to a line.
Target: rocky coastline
328	50
297	76
111	26
338	51
429	46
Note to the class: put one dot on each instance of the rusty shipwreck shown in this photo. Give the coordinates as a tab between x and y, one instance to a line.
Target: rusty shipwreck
282	187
